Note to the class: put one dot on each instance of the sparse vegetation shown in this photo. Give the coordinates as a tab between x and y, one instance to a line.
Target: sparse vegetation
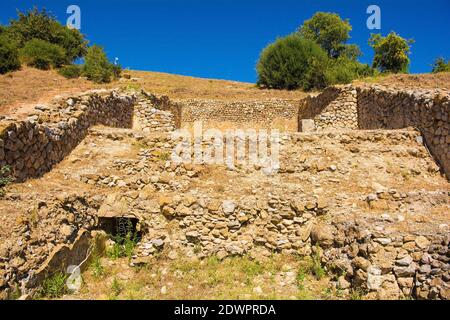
116	289
70	71
440	65
124	242
231	278
5	179
316	265
54	286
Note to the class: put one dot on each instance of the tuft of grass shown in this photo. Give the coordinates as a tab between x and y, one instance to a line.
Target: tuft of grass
164	156
5	179
54	286
116	289
301	276
316	265
98	270
356	293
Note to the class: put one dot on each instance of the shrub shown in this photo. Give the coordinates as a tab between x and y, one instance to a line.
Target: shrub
9	56
344	70
440	65
292	62
391	52
42	54
117	71
97	67
70	72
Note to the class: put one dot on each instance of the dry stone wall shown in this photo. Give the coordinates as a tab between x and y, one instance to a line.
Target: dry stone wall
150	116
334	108
376	107
264	113
427	110
32	146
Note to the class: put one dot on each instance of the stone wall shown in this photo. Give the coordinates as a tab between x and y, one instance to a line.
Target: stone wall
32	146
272	113
155	115
334	108
427	110
377	107
163	103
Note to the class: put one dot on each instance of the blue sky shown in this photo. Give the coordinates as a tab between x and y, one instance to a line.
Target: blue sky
223	38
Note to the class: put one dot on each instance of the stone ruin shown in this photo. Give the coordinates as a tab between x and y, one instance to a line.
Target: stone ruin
336	194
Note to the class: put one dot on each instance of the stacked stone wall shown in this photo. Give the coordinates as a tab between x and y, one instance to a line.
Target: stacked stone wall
427	110
31	147
334	108
263	113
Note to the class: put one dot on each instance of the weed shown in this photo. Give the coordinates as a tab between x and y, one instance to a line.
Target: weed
5	179
98	270
124	242
301	275
116	288
316	265
164	156
356	294
54	286
197	249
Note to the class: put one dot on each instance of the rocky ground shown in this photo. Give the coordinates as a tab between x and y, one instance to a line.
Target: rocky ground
371	205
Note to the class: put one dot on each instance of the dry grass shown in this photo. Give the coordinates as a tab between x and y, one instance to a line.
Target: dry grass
280	277
424	81
21	90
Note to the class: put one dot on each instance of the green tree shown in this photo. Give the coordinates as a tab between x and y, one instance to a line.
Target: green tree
330	32
440	65
36	24
391	52
9	56
292	62
42	54
97	67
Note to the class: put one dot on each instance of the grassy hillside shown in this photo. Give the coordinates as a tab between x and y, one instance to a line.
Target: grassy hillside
20	90
30	86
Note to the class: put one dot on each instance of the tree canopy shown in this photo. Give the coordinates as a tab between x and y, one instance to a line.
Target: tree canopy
391	52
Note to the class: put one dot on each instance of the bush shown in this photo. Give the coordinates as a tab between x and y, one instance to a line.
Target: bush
97	67
70	72
292	62
391	52
9	56
117	71
42	54
345	70
440	65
